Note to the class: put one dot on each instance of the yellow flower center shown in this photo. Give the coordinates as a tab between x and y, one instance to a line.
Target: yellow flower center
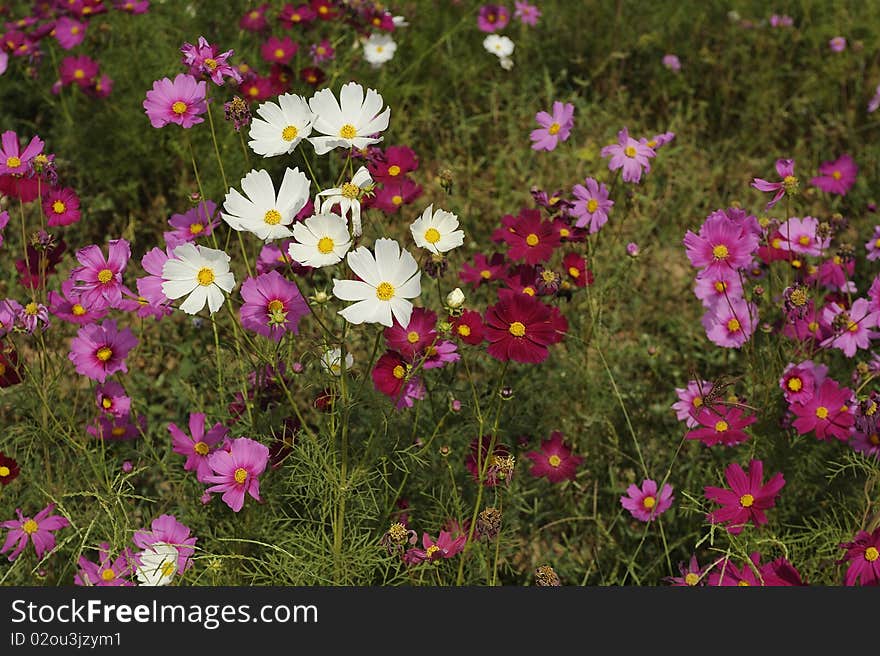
746	500
720	252
744	584
108	575
254	14
721	426
530	291
532	239
871	554
412	337
385	291
205	276
691	578
812	326
272	217
350	190
554	128
168	568
630	151
733	325
874	439
323	9
275	306
31	308
837	175
564	232
279	53
13	162
348	131
394	170
464	330
554	460
201	448
325	245
697	402
211	63
592	205
2	369
804	240
574	272
517	329
432	235
430	551
776	243
59	207
254	91
105	276
179	107
289	133
836	259
117	431
720	286
396	199
104	353
240	475
485	274
822	412
789	180
852	326
106	403
30	527
4	471
195	228
795	384
649	502
398	372
80	74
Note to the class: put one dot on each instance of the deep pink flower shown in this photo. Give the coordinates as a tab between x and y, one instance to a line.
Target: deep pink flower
276	50
81	70
629	155
69	32
827	413
151	298
181	101
592	205
444	547
531	238
118	428
14	160
291	16
721	425
326	10
527	13
4	221
111	399
272	305
255	19
799	382
256	88
721	245
395	162
731	323
800	236
205	60
99	350
493	18
554	128
396	193
322	52
788	182
690	401
133	6
780	572
836	177
108	571
481	462
439	354
99	277
61	207
863	554
851	328
412	340
33	316
554	460
716	286
390	373
38	530
873	246
197	222
518	328
166	530
645	503
237	471
197	446
747	499
691	575
483	269
468	327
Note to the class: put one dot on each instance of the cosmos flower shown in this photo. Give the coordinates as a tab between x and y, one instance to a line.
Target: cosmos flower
38	530
99	350
645	503
747	498
236	471
554	460
554	127
436	231
629	155
349	122
262	212
201	274
836	177
281	127
181	101
273	305
198	444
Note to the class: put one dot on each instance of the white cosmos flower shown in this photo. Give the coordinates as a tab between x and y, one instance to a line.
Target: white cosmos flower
157	564
436	231
498	45
348	198
379	48
386	282
331	361
321	240
349	122
281	127
201	272
262	213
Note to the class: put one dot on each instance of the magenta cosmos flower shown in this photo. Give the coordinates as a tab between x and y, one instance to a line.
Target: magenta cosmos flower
14	160
530	238
863	554
721	425
197	222
872	246
98	277
554	460
780	572
61	206
852	328
747	499
827	413
81	71
788	183
629	155
443	548
204	59
69	33
107	572
554	128
836	177
731	323
38	530
644	503
690	401
527	13
720	245
837	44
280	51
198	445
237	471
166	531
272	305
592	205
99	351
416	337
181	101
493	18
519	328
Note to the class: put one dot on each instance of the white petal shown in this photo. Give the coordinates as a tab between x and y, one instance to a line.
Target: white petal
353	290
225	281
407	266
361	178
387	258
195	301
378	124
361	261
215	298
326	144
362	312
259	188
294	192
176	288
402	310
369	109
411	288
351	100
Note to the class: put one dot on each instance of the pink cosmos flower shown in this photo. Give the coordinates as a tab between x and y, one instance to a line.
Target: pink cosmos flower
672	62
111	399
393	163
747	499
716	287
100	277
835	274
291	16
276	50
390	374
38	530
837	44
592	205
851	328
800	236
9	311
81	70
322	52
788	183
181	101
721	425
197	446
33	316
69	306
690	401
118	428
721	245
527	13
61	206
873	246
414	339
69	32
836	177
395	194
781	20
99	350
14	160
166	530
691	574
483	269
205	60
151	298
493	18
444	547
554	128
237	471
629	155
645	504
730	324
135	7
827	412
863	554
799	382
440	354
531	238
519	328
780	572
255	19
554	460
272	305
197	222
108	571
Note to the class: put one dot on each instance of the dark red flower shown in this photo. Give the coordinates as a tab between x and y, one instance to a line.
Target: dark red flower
468	327
519	327
9	469
531	239
554	460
